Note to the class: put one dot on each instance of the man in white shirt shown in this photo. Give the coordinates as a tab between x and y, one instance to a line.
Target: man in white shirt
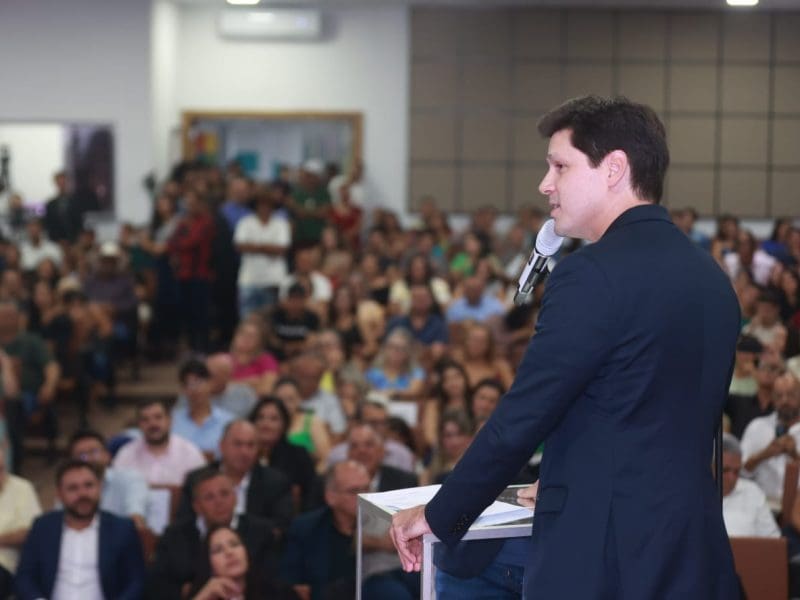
263	242
80	552
19	506
744	505
769	441
161	457
37	248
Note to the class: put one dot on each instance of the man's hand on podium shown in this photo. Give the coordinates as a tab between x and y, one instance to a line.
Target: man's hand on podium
527	495
408	527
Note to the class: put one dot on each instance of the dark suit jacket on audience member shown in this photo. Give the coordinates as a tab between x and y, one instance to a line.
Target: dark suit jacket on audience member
120	558
180	550
391	478
268	497
295	462
63	226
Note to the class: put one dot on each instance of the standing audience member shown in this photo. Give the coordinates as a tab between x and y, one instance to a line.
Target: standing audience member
63	215
199	421
123	492
311	202
80	551
744	505
160	456
263	241
19	506
772	440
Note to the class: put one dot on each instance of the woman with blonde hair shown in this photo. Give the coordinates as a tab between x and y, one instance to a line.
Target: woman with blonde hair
395	369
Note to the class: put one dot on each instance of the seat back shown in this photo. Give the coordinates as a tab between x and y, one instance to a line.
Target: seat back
790	480
763	567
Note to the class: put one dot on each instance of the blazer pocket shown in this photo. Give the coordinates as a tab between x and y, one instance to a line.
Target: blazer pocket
550	500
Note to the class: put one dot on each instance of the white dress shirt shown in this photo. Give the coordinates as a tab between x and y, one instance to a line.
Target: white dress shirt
241	495
78	575
746	513
769	473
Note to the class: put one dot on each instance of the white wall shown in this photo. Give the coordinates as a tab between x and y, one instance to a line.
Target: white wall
36	151
362	65
84	60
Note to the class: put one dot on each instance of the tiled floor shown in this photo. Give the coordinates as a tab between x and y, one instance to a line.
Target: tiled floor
155	380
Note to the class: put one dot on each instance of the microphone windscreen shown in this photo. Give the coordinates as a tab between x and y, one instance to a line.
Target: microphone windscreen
548	241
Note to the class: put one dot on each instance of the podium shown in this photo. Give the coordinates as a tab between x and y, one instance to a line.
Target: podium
367	509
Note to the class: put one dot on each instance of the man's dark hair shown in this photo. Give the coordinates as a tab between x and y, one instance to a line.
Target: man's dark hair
202	475
150	401
601	125
193	366
72	464
83	434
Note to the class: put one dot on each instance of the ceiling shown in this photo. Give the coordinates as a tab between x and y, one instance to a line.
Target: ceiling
683	4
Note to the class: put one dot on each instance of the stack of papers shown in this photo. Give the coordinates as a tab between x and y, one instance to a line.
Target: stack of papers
495	514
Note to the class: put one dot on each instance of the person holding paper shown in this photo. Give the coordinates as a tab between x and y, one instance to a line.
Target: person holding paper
624	382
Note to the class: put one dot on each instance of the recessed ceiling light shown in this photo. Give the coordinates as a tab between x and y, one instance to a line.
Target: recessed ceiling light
736	2
252	2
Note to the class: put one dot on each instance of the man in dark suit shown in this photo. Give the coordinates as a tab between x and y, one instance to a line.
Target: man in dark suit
181	546
624	382
261	491
320	557
64	213
80	551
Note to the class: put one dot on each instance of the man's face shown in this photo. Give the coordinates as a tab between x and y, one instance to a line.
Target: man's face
34	230
731	465
154	423
786	398
769	368
92	451
575	189
366	448
307	373
768	313
79	492
473	290
215	500
197	389
484	401
239	448
376	417
343	497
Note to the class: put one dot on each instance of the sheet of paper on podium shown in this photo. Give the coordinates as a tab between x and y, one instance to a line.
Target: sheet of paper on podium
495	514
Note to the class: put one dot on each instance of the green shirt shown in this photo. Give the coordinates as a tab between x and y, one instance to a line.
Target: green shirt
309	229
33	354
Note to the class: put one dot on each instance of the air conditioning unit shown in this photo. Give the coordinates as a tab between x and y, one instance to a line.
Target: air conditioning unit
273	24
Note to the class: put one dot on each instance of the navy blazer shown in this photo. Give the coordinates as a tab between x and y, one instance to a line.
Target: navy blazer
624	381
120	558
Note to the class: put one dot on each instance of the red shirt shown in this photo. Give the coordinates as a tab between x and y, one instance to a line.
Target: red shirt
190	247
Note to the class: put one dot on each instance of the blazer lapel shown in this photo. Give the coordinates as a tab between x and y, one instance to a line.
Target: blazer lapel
52	553
104	553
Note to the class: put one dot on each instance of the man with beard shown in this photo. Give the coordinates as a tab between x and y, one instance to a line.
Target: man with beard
161	457
123	492
80	551
772	440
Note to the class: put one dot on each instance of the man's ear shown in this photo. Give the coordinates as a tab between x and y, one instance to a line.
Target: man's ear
617	168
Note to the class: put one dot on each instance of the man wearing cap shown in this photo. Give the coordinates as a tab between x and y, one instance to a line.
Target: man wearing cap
110	285
311	201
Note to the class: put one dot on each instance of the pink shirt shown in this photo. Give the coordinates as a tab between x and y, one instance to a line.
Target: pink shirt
169	468
265	363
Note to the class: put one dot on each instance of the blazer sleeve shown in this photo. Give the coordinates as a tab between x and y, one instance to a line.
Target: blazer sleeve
572	339
131	563
28	578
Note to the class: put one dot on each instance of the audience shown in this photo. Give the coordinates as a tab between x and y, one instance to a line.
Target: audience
251	364
306	429
80	551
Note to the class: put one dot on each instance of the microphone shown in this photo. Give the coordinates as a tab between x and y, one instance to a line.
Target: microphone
547	244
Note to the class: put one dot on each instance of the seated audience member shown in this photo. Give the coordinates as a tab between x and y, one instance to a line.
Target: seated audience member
81	551
199	421
123	491
291	322
174	569
307	259
455	435
19	506
450	392
114	288
263	240
772	440
374	411
320	548
226	571
395	369
261	491
251	364
744	400
766	325
307	370
160	456
747	256
306	429
232	396
342	318
485	396
475	304
271	420
744	505
419	272
38	378
328	343
366	446
477	353
36	247
424	320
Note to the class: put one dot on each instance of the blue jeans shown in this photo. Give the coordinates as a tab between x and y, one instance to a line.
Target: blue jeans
497	582
254	297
